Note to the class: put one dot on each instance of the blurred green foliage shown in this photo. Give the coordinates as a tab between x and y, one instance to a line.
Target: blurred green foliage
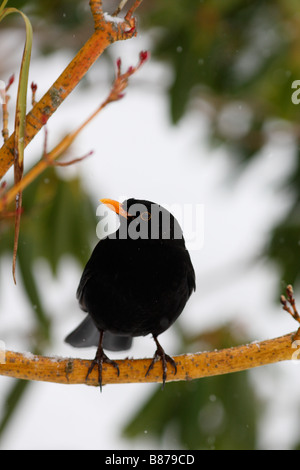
234	60
224	51
240	58
200	415
211	413
58	219
64	14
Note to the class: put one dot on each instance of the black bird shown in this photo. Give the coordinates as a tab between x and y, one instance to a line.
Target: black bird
136	282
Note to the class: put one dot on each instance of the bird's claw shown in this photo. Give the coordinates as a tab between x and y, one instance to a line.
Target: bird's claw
101	358
165	358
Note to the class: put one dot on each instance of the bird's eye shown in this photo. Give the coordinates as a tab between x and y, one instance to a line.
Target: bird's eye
145	216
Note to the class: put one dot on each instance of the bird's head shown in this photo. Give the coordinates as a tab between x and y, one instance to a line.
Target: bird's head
141	219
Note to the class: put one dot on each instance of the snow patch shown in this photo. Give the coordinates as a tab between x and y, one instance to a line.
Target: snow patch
113	19
30	356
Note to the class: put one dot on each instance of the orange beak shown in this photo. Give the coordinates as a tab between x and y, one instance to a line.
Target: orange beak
115	206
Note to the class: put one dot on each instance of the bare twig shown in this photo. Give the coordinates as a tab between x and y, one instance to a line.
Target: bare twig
120	7
5	99
33	87
189	366
292	309
130	12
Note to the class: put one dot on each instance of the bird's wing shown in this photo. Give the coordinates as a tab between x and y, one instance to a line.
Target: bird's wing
191	280
98	256
191	277
86	275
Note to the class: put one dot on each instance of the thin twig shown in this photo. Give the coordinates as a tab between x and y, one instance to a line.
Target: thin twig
132	9
33	87
120	7
5	99
292	309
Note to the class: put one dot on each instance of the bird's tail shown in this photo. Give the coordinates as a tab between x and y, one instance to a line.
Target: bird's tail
86	334
114	342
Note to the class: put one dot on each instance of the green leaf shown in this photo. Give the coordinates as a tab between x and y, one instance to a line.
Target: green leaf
20	119
2	6
26	264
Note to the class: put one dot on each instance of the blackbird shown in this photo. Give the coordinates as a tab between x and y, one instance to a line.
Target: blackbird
136	282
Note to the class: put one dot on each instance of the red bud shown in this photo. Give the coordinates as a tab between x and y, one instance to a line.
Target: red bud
144	55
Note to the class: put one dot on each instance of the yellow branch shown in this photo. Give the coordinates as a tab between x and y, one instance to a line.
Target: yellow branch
189	366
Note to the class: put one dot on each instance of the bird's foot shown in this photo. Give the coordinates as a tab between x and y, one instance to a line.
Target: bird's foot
165	358
101	358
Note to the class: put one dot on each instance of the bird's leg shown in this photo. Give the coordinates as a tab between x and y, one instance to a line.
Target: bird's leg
98	361
160	354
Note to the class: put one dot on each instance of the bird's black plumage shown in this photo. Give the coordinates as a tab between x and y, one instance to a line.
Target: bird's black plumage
136	282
